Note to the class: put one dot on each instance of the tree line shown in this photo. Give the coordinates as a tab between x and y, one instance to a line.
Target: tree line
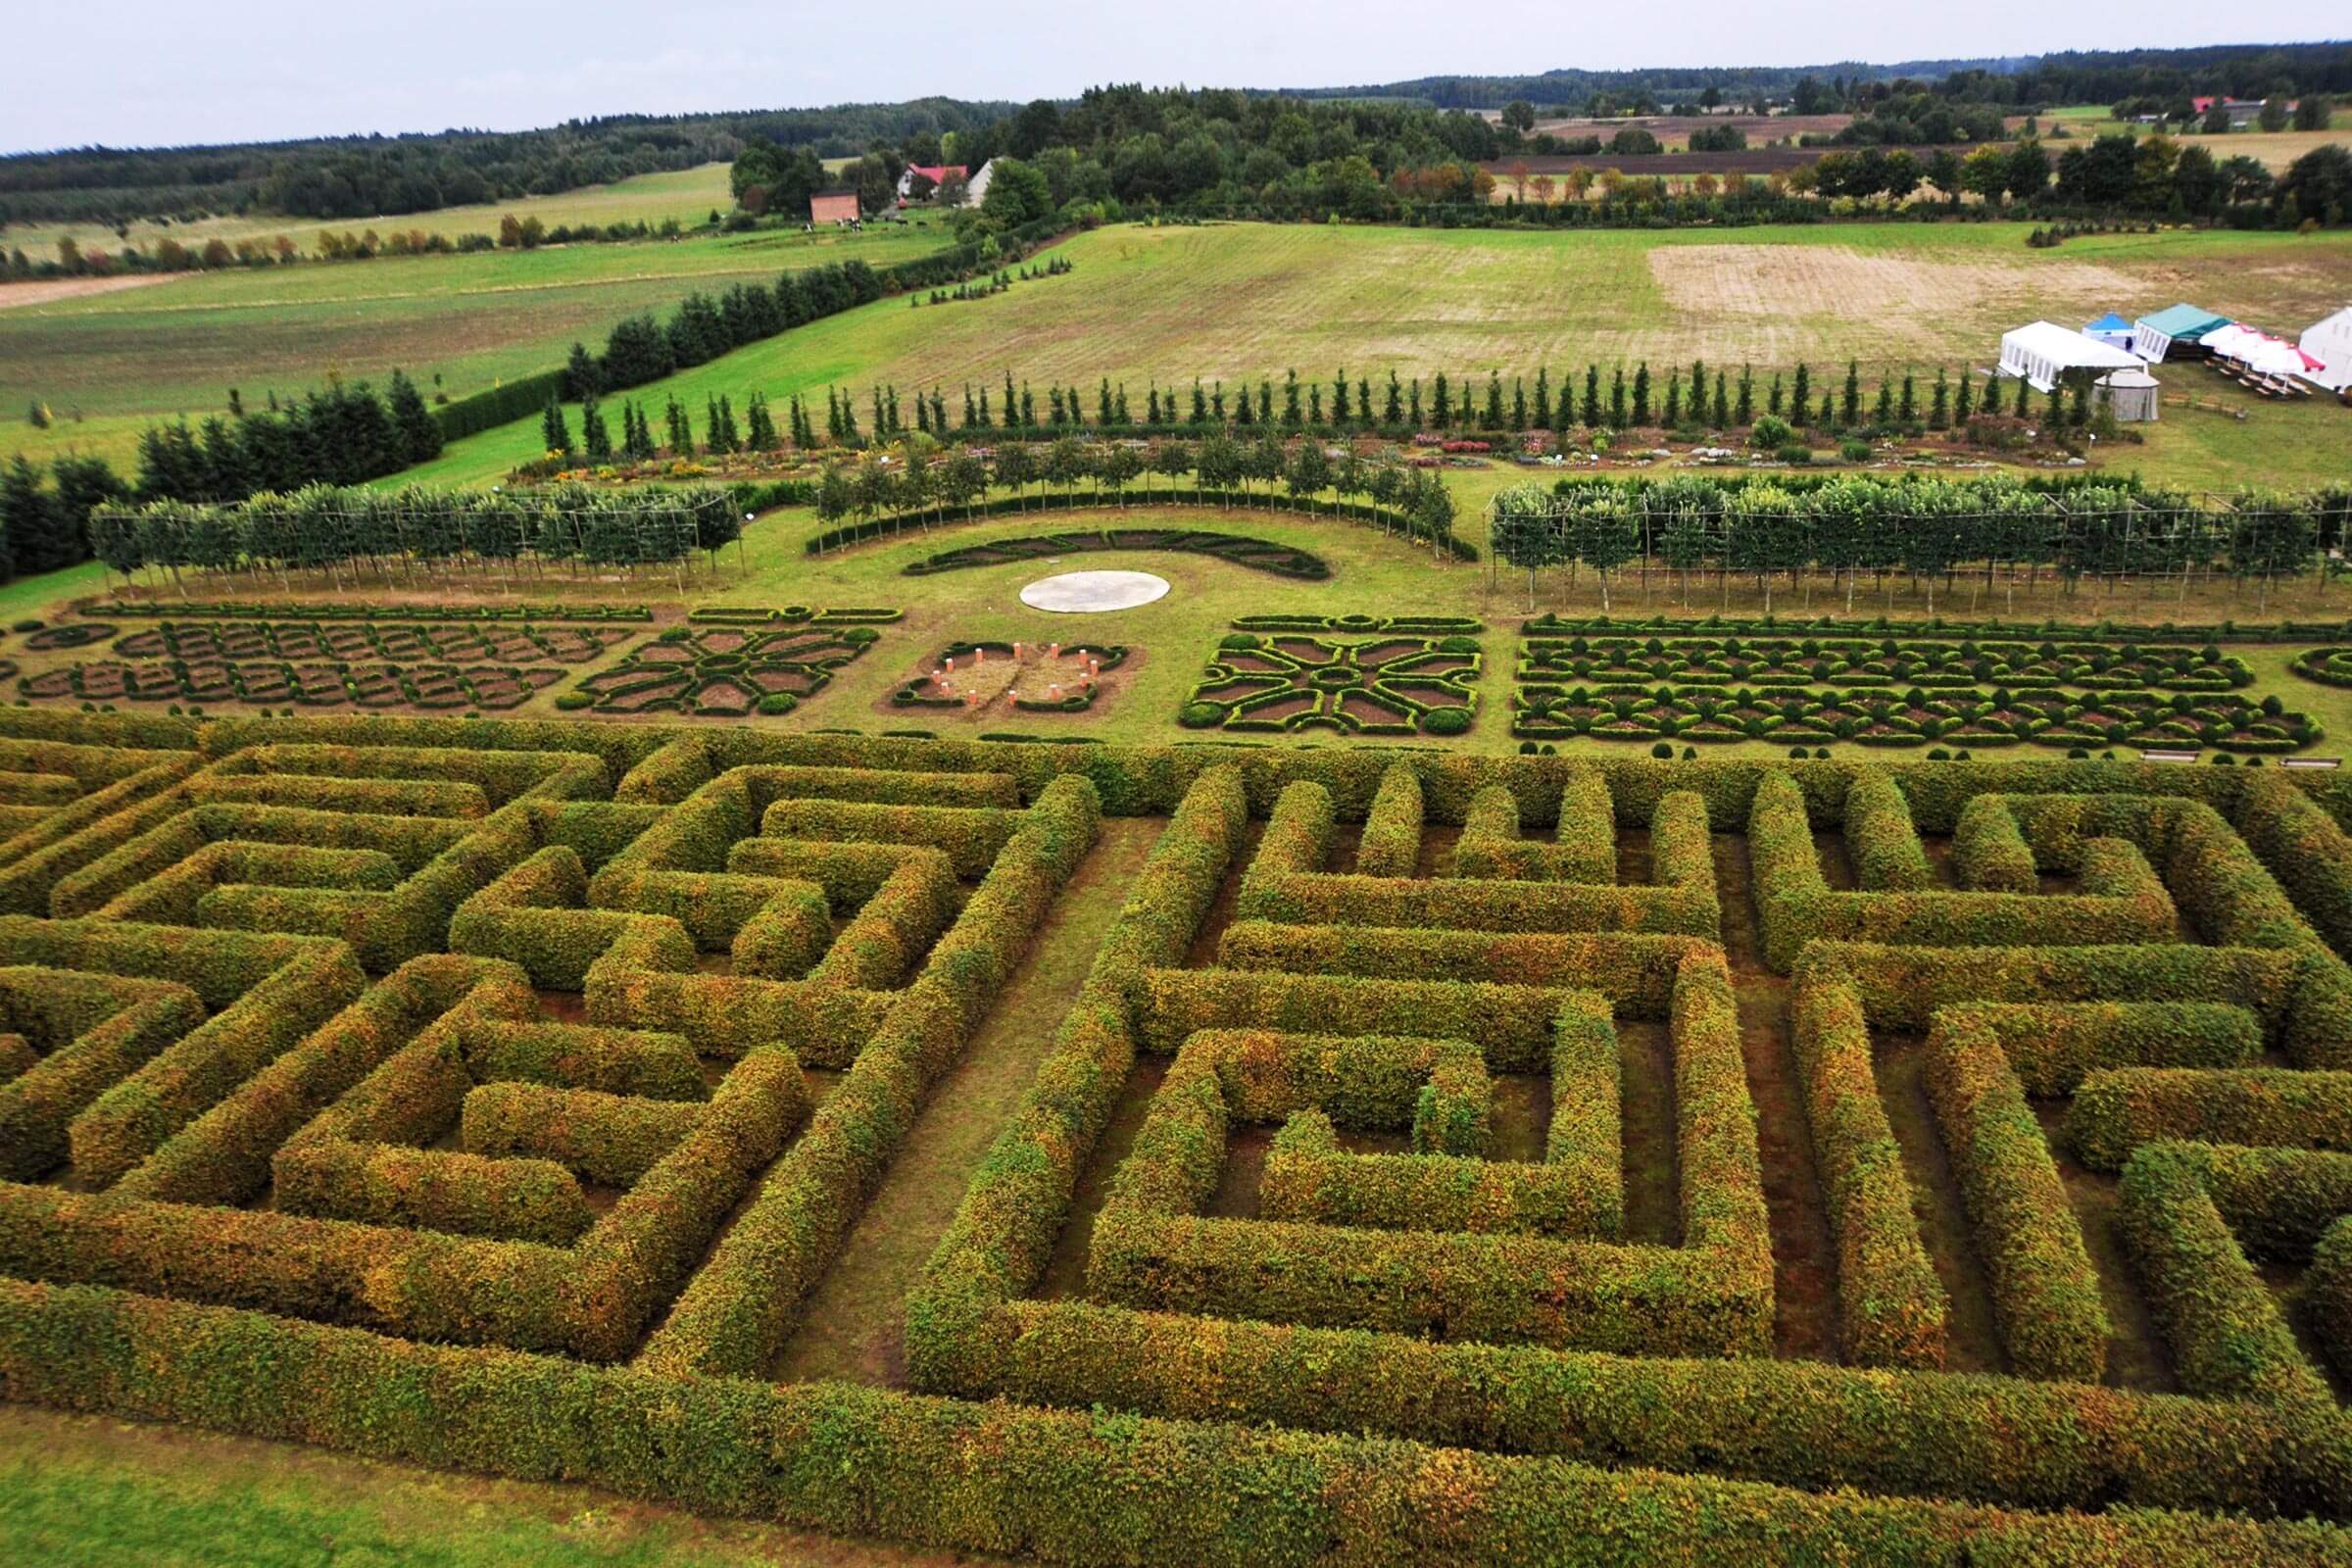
1694	400
1265	466
337	434
1929	528
323	528
353	176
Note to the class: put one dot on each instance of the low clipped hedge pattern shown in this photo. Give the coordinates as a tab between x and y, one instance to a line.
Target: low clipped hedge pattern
1290	684
726	671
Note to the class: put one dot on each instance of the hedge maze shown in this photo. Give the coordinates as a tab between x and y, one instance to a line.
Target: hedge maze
1397	685
1441	1159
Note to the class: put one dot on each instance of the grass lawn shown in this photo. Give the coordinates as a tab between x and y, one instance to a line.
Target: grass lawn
1244	300
109	364
687	195
79	1493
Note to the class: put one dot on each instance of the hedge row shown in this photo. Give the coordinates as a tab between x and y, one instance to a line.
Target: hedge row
2279	1203
1505	974
2105	631
1989	852
1585	851
1880	840
1390	846
610	1140
429	1189
2046	1291
2053	1045
2223	1328
1068	1487
972	836
1892	1307
2328	1285
2117	1110
748	1298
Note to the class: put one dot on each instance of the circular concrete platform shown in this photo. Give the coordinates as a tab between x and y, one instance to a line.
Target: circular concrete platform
1088	592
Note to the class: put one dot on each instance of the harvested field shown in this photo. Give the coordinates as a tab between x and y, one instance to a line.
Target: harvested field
50	290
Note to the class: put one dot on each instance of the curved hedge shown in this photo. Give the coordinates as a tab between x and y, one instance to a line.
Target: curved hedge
1260	554
1385	518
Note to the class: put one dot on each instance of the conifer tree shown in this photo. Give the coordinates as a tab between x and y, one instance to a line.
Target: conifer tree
1265	402
1011	404
1800	393
1314	405
1642	395
1617	410
1907	411
1723	404
1200	414
1442	403
1849	409
1216	403
553	434
1415	419
1363	399
413	425
1881	412
1394	413
1746	413
1960	399
594	437
1773	398
1592	409
1542	399
1518	404
1494	416
1673	398
1290	400
1028	408
970	415
1939	404
682	438
1338	397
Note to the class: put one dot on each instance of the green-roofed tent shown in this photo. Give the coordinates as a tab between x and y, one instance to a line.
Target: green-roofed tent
2180	326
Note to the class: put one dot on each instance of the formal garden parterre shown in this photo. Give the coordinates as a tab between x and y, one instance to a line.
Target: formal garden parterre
1292	683
499	1095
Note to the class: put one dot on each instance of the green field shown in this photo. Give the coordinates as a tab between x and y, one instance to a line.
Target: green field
1173	304
689	195
109	364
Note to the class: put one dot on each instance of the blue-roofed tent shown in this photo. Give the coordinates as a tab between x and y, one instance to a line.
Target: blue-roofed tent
2110	329
2177	327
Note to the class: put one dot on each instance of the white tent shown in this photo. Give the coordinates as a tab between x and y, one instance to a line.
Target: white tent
2132	394
2331	343
2042	352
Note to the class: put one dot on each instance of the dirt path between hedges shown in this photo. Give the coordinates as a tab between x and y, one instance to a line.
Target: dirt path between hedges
1804	1254
854	1325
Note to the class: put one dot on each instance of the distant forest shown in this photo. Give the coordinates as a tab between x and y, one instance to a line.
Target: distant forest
1165	139
2237	70
367	176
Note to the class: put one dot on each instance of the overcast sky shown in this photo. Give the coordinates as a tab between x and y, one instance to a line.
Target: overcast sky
146	72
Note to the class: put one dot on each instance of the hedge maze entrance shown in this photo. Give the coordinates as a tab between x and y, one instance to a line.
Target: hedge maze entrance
1447	1146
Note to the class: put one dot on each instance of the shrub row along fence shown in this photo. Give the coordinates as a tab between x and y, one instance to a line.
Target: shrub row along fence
1929	528
356	536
